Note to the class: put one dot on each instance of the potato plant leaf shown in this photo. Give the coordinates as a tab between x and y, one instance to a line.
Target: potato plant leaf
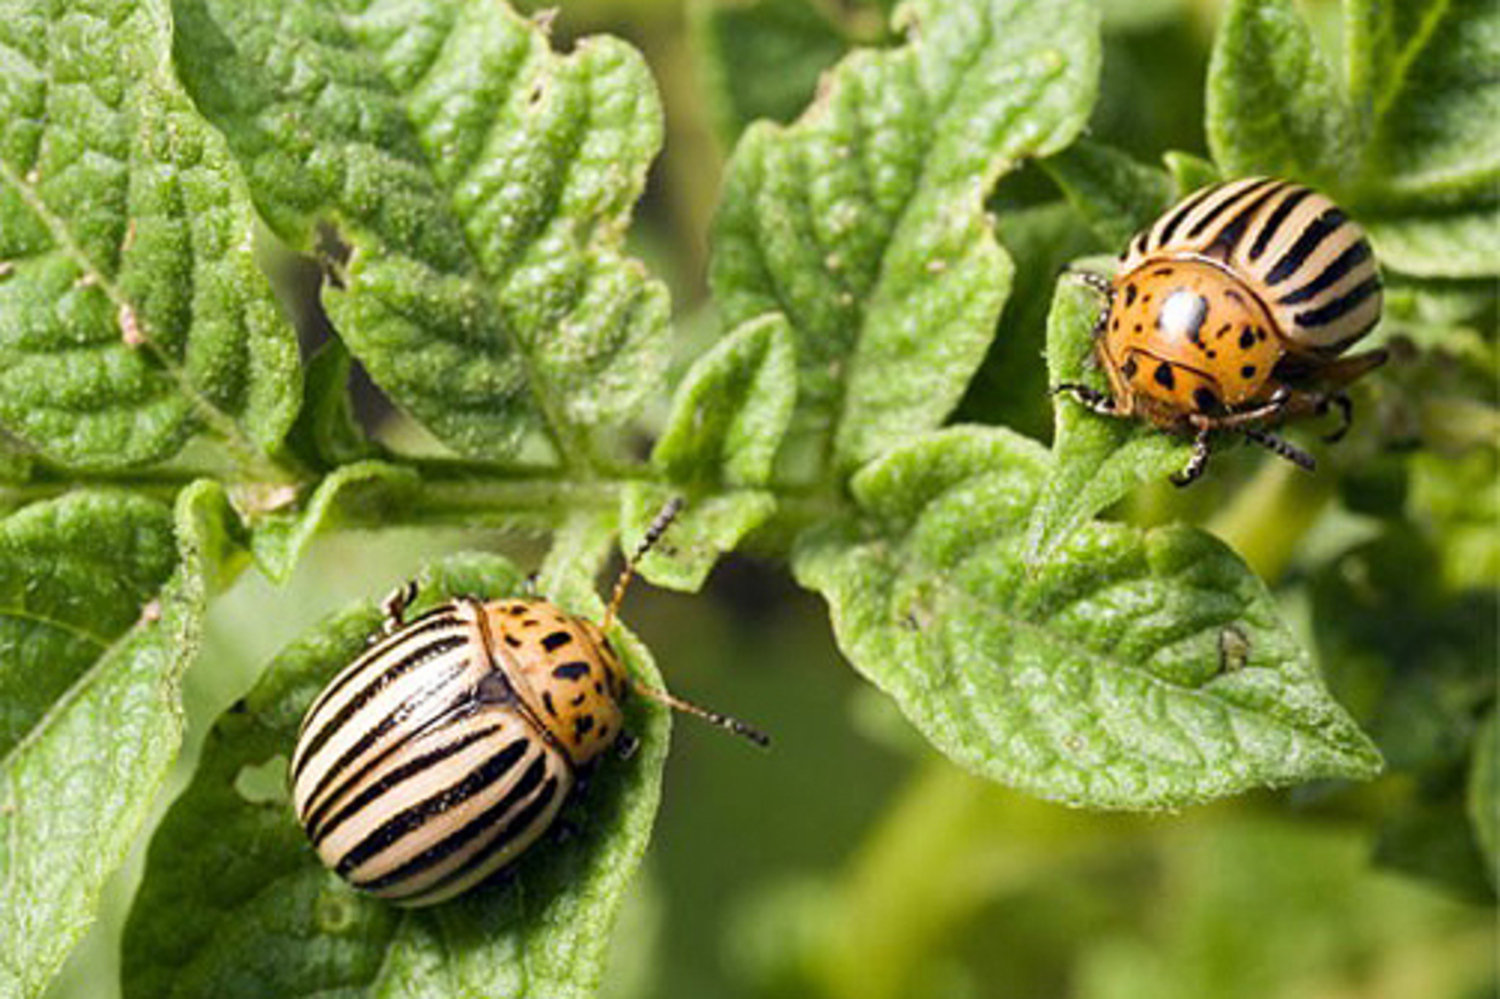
361	491
1403	138
864	221
482	185
131	311
102	612
1117	196
235	904
1130	669
717	450
761	59
1096	460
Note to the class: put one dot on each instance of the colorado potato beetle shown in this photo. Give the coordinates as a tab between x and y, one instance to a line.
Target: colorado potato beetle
449	747
1230	313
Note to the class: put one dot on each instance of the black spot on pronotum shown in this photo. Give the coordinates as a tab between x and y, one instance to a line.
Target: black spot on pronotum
1205	400
556	640
571	671
1163	376
1248	371
1129	368
1247	339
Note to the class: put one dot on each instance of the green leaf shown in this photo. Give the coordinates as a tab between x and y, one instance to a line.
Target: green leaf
1190	172
1405	141
132	314
864	222
100	620
326	433
705	530
1484	794
761	59
1423	75
1274	104
1464	243
731	410
1011	388
720	441
1132	669
1116	196
362	492
234	902
1096	460
483	185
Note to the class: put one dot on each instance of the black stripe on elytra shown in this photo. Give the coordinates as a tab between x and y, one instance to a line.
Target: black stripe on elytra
1332	274
1340	306
523	820
1317	230
374	734
1276	221
1207	220
465	834
412	818
383	677
336	772
1228	238
434	620
325	794
318	830
1183	211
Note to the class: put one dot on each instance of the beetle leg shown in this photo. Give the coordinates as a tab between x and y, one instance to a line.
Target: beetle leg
1088	396
1197	463
1090	279
529	585
395	604
1346	415
1275	444
626	745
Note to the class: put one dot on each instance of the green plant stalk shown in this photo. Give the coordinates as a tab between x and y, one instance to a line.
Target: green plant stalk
1268	517
950	845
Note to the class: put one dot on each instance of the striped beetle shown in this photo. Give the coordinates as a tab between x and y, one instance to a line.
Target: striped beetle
1230	313
446	749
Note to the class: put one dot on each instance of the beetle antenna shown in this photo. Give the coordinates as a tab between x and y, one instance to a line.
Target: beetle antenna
734	725
654	531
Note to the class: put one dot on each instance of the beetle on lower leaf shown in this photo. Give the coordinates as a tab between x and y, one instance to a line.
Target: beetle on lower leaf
449	747
1231	313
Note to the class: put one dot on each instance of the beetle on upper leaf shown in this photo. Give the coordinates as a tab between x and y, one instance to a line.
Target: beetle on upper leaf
1232	312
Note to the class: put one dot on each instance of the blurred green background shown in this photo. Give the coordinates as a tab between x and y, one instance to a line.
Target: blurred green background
851	862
